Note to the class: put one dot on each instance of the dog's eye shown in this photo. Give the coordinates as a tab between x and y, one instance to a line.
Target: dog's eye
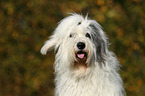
79	23
88	35
71	35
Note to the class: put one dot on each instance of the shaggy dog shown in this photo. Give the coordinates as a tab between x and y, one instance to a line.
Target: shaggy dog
83	64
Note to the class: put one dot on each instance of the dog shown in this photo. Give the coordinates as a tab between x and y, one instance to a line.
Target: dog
83	64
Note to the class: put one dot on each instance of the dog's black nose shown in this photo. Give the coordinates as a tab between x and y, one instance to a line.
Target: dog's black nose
81	45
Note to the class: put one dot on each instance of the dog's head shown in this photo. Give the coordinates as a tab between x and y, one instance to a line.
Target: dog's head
78	43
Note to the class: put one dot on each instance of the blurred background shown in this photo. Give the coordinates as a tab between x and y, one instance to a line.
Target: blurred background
26	24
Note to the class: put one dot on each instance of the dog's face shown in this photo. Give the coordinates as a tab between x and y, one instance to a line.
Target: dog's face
82	47
78	43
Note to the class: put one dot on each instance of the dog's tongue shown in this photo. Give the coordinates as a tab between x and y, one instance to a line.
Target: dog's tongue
81	56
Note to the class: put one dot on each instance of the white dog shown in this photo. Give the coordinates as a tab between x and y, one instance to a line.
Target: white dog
83	64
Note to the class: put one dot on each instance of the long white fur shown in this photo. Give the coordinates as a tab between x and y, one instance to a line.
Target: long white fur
101	78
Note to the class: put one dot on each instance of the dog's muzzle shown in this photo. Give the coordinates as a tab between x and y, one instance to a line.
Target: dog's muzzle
81	53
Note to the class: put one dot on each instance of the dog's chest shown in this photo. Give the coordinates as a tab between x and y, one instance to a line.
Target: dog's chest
78	87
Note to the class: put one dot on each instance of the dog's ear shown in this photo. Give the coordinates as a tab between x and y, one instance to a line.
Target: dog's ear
48	46
100	42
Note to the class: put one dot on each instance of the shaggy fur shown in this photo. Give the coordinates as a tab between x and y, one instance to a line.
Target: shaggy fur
83	64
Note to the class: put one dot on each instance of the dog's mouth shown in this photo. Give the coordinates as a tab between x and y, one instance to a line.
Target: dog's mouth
80	64
81	56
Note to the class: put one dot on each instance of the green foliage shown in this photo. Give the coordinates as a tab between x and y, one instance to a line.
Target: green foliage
26	24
